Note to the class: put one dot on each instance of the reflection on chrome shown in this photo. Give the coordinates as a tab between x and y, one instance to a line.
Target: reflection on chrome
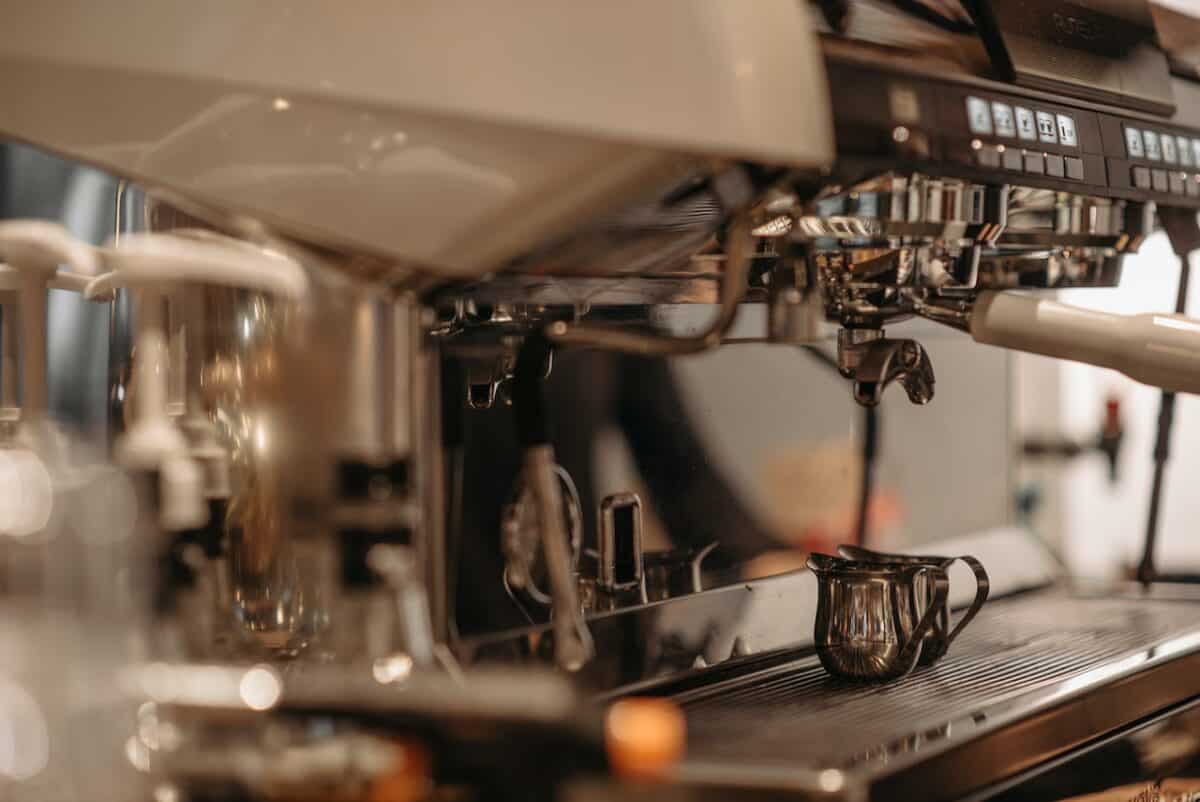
394	668
26	505
24	737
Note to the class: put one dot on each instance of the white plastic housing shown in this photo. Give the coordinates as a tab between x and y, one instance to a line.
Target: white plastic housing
1162	350
454	134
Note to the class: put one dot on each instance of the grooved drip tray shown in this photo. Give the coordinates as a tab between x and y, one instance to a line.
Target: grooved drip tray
1021	659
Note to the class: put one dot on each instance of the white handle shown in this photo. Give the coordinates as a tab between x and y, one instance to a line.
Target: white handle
1162	350
198	257
43	246
34	249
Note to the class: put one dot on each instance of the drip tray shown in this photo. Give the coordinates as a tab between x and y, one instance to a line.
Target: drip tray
1023	656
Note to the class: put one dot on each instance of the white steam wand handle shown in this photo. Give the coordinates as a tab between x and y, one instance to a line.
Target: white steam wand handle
1162	350
34	249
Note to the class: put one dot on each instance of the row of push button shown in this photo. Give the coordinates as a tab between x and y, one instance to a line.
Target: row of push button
1027	161
1167	181
986	118
1158	147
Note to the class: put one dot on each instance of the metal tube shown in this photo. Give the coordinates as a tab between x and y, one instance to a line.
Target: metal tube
33	344
738	256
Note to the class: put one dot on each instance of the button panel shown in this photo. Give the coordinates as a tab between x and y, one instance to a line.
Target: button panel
1170	156
1002	116
1029	126
1074	168
1133	143
1026	124
1153	146
1066	130
1047	128
989	134
1145	144
988	156
1045	142
979	116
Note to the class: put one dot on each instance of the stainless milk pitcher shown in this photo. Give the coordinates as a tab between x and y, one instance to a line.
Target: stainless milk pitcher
868	625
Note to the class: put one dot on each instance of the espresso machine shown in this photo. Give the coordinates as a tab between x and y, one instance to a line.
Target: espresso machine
379	273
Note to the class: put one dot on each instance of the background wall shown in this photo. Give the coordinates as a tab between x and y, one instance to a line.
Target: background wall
1099	525
785	430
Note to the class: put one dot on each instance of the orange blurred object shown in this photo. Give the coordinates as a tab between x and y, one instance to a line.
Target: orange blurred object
409	780
644	737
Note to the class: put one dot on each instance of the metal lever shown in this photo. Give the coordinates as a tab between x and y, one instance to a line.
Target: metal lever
876	362
573	642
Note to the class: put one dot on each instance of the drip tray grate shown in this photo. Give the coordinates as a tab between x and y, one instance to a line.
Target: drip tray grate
797	715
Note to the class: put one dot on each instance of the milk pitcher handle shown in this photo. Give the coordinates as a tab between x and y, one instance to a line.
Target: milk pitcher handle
982	586
937	601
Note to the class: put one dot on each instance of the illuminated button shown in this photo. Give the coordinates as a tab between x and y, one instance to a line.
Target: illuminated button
1026	124
1158	179
1012	159
1055	166
1074	168
1185	150
1141	177
1168	149
1175	181
979	116
1046	129
1066	130
1002	116
906	108
988	156
1133	143
1196	152
1153	146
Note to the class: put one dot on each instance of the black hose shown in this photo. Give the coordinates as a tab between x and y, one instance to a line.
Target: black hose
529	403
934	17
1162	450
870	451
1166	408
454	432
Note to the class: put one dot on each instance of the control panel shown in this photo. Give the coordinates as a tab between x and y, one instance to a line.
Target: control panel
1024	138
1007	136
1159	159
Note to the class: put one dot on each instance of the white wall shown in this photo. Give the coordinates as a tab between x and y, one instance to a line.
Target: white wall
1099	526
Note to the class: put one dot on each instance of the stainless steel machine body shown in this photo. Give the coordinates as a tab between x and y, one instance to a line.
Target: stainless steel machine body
362	566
